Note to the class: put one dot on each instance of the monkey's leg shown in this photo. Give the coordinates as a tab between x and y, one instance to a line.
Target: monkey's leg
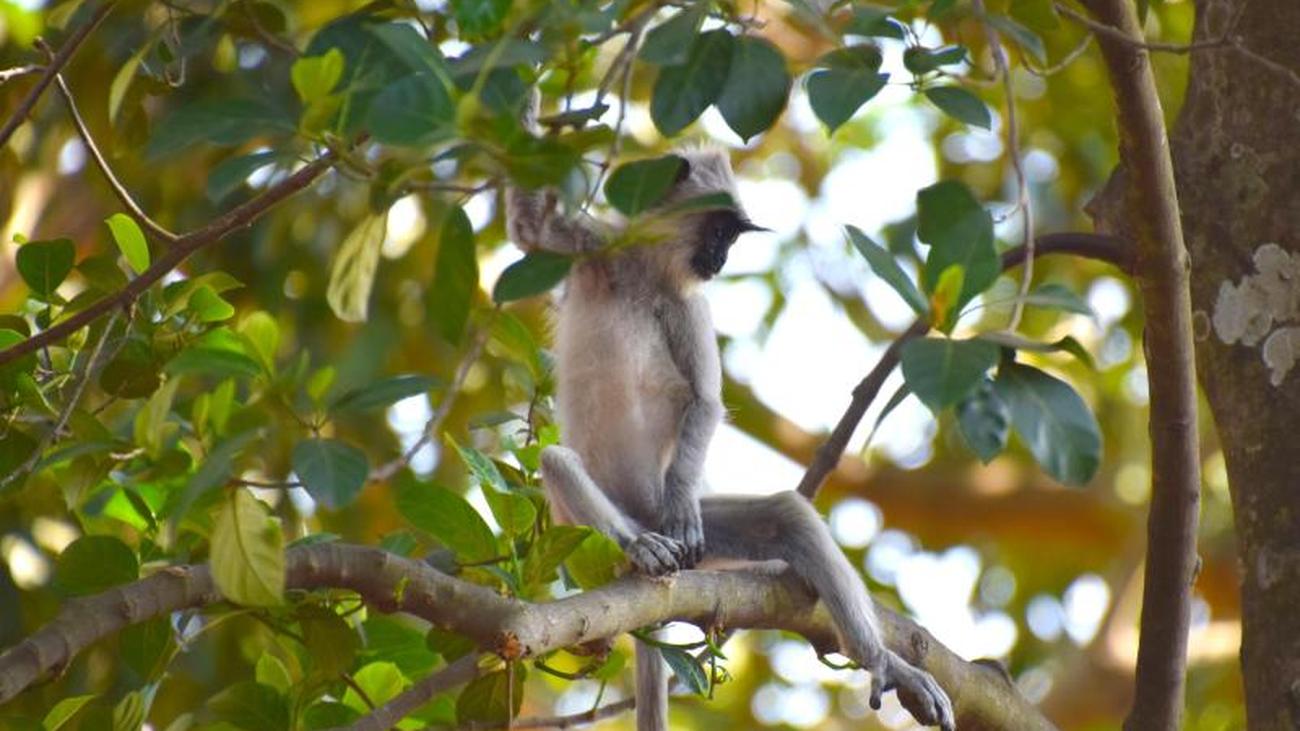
577	498
785	526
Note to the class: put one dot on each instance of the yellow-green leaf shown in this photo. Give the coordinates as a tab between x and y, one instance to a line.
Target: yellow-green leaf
314	77
353	272
130	239
248	552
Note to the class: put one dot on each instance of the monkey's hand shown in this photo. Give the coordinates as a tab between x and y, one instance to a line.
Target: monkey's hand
653	554
682	523
917	691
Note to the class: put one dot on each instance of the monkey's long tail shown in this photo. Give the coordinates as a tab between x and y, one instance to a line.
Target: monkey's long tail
651	689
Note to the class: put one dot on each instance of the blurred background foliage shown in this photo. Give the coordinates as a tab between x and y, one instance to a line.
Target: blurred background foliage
997	560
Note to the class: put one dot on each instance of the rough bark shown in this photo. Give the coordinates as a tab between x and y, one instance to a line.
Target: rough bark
983	696
1236	149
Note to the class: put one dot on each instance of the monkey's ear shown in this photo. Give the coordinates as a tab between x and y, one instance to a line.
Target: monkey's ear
683	172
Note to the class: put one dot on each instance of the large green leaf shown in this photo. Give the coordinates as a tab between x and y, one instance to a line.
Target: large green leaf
687	669
218	121
130	240
353	272
485	472
984	421
382	393
638	186
1054	296
551	549
1053	422
44	265
683	92
669	43
448	517
333	472
960	233
92	564
478	18
247	553
961	105
942	371
596	562
415	111
230	174
64	710
330	640
534	274
758	85
886	267
849	77
1024	37
490	698
251	706
455	278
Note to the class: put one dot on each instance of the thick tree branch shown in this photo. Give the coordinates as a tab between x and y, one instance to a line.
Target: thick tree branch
50	71
216	230
518	630
1091	246
1162	274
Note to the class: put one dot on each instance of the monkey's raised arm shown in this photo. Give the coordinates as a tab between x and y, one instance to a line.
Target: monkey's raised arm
688	330
533	222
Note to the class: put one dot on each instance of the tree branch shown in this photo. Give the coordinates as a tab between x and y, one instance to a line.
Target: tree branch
216	230
1162	275
1091	246
405	703
119	190
575	719
517	630
51	70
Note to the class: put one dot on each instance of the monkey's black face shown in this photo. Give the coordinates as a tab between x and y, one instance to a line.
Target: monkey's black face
718	231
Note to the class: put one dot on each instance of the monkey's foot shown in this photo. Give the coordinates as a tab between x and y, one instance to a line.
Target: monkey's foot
653	554
917	691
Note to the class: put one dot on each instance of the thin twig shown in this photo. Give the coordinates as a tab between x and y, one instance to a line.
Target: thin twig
79	388
1023	202
616	145
53	68
560	722
434	424
386	716
119	190
827	457
19	71
1065	61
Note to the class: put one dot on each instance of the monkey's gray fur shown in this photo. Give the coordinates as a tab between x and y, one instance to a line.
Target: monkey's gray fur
639	386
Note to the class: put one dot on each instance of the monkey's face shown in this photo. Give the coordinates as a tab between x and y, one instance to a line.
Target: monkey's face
718	230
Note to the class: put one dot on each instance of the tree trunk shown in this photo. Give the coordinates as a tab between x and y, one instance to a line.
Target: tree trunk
1236	150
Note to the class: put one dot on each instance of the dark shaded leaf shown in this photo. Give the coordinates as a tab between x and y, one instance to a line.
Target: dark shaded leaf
92	564
534	274
683	92
381	394
44	265
415	111
230	174
1025	38
490	698
984	421
331	471
218	121
849	77
687	669
961	105
251	706
669	43
942	371
638	186
455	280
448	517
960	233
1053	422
758	85
886	267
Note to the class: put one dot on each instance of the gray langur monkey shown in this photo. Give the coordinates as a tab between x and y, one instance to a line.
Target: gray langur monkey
638	384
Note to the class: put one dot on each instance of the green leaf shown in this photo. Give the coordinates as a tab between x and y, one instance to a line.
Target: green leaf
416	111
44	265
262	332
959	232
216	468
1025	38
353	271
1054	296
9	372
534	274
942	371
314	77
144	646
921	60
208	306
133	373
535	163
687	669
455	278
683	92
551	549
92	564
479	18
1053	421
961	105
873	21
247	552
515	513
485	472
64	710
886	267
1037	14
984	421
329	640
130	711
849	78
596	562
332	472
381	681
122	82
230	174
490	698
213	362
251	706
669	43
1066	344
130	240
757	88
16	447
638	186
218	121
390	639
381	394
448	517
269	671
449	645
